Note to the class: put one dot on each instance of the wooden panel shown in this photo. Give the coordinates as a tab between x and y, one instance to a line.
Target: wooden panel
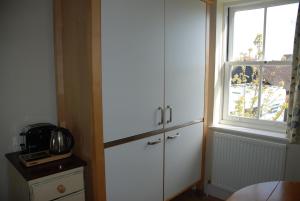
134	171
97	110
58	49
209	1
286	191
207	93
257	192
78	74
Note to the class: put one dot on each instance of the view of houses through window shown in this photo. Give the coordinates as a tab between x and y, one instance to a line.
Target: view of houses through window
259	61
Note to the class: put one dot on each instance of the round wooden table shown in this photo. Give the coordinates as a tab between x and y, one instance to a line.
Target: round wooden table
269	191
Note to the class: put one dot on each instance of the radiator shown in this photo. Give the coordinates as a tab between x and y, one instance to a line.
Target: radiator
239	161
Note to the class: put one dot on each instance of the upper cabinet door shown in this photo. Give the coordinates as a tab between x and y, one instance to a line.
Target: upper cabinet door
185	22
132	66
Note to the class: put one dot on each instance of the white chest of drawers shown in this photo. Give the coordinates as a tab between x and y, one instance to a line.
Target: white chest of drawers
62	180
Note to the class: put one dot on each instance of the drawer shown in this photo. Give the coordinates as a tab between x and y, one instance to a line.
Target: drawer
79	196
53	188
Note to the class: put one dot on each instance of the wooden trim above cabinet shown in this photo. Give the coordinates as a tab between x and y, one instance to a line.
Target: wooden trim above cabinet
78	77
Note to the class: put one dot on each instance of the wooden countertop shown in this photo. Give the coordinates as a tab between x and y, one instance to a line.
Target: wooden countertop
269	191
38	171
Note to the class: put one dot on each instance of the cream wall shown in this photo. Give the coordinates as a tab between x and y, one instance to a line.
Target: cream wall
27	81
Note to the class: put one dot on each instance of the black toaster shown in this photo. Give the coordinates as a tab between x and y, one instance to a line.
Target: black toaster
36	137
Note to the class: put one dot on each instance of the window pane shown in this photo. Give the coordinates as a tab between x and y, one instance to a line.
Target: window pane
276	82
248	35
280	31
244	92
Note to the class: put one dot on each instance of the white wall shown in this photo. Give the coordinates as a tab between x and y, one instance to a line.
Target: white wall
292	171
27	81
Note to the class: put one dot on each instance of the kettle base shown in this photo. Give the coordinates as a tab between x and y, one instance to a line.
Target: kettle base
42	157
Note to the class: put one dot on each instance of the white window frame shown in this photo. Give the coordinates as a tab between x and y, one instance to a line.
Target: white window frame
227	52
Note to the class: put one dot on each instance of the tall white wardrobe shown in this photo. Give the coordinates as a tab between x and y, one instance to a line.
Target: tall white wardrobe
153	72
130	88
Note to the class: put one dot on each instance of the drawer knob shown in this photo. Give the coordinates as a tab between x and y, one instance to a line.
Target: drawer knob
61	188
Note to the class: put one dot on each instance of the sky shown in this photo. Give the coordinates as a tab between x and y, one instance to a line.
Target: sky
280	30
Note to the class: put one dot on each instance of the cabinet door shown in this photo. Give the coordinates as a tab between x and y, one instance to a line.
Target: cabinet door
184	59
132	66
134	171
183	149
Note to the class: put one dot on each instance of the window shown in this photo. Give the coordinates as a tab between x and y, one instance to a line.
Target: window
258	67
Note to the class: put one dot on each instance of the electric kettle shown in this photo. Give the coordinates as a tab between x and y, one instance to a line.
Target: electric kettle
61	141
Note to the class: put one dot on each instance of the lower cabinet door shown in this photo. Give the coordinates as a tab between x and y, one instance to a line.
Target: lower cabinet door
134	171
183	149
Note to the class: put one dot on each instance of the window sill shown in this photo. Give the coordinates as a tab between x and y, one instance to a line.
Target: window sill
251	133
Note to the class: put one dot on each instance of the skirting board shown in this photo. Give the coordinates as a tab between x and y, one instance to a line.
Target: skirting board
217	192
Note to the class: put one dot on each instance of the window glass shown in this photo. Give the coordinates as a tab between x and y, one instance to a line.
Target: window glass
244	91
276	82
248	35
260	47
280	31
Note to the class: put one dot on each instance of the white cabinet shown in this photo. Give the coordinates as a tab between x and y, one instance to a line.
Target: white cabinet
153	52
153	67
65	186
182	159
132	66
152	56
134	171
56	186
185	23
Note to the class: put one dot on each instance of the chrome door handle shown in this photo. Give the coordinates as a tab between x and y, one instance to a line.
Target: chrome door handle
161	116
154	142
171	113
173	137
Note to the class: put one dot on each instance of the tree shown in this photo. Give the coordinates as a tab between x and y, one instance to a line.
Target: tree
248	78
258	42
